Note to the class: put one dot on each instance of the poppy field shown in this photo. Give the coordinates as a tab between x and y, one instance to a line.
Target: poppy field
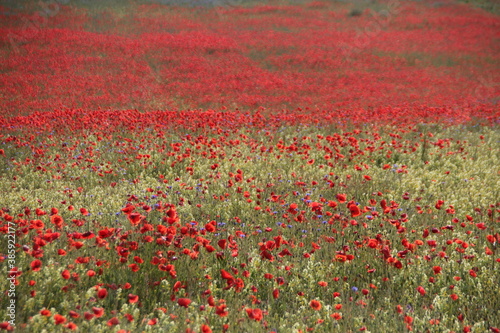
325	166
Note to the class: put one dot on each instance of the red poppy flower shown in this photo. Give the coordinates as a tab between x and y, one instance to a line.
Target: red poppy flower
128	209
226	275
267	255
72	326
206	329
316	305
105	233
57	220
177	285
134	267
355	211
99	312
222	243
45	312
113	322
341	198
184	302
493	238
255	314
129	317
439	204
74	314
36	265
372	243
336	316
88	315
135	218
102	293
133	298
340	257
210	227
65	274
59	319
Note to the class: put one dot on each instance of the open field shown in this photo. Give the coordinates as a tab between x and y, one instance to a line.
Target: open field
325	166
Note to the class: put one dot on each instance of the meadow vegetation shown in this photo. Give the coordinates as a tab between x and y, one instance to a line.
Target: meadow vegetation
256	168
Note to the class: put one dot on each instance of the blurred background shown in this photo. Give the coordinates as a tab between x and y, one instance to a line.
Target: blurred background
246	55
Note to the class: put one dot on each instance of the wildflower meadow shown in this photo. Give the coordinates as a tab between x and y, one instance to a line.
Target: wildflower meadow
249	166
